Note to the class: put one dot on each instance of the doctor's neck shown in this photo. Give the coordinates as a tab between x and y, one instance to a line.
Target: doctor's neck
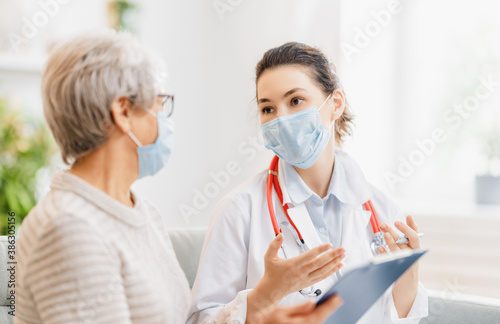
318	177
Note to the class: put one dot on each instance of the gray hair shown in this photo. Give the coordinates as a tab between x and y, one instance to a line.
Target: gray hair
83	76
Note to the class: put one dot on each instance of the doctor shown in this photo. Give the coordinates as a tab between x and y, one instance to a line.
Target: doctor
242	270
92	250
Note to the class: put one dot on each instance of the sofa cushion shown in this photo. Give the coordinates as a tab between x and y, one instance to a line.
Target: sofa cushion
462	309
187	243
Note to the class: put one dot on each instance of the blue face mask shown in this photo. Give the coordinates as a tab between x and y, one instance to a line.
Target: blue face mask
299	139
153	157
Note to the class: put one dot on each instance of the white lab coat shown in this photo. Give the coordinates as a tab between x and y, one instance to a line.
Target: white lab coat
232	258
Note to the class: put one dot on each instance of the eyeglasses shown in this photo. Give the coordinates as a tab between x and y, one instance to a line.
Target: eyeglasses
167	104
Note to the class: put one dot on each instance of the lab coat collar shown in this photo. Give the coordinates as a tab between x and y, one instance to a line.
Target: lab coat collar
348	182
357	190
291	182
338	182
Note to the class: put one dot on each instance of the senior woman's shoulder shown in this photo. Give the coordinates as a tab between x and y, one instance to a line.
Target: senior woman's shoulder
49	231
52	206
66	203
62	216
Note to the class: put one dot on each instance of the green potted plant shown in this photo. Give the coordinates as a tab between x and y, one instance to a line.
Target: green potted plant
25	147
122	15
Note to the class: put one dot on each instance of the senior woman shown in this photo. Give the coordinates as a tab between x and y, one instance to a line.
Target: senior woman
92	250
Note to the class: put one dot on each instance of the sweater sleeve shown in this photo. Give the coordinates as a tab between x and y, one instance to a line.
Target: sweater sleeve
73	277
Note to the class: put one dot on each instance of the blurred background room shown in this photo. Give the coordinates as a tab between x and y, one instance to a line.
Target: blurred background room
422	78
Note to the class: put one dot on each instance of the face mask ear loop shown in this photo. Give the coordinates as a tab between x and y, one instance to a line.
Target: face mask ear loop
151	112
324	102
132	136
332	123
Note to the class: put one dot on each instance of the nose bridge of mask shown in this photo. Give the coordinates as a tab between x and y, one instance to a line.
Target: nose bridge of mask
332	123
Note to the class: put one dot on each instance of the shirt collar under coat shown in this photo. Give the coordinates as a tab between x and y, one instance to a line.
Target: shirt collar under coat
348	183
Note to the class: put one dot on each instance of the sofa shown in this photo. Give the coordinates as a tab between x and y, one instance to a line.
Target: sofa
187	243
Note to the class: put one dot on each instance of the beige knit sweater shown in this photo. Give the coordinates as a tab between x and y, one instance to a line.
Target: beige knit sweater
83	257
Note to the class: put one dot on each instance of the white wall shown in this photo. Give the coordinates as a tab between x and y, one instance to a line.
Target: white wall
211	63
211	56
396	82
367	69
27	31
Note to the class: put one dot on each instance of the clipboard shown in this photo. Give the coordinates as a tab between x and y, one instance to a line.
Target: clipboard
361	287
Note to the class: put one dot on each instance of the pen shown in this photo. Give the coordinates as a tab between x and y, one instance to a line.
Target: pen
403	239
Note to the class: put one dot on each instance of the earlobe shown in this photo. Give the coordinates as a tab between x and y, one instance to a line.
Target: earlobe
120	111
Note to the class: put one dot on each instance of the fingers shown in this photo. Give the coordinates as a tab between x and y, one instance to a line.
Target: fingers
387	229
391	243
274	246
324	259
413	239
311	254
306	313
411	222
381	250
324	310
327	270
302	309
409	230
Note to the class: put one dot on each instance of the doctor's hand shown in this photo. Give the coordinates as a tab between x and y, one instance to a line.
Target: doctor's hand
405	289
305	313
285	276
410	229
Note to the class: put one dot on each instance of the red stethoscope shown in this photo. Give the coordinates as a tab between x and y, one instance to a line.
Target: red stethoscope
272	180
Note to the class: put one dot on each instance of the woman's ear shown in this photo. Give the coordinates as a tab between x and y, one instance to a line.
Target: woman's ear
338	104
121	112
